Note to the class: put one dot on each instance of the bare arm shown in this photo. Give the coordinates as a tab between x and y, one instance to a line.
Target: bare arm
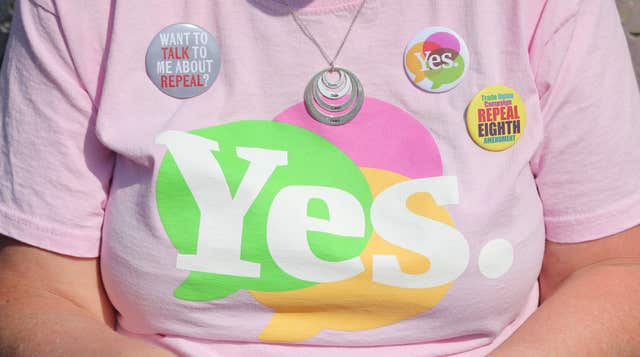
590	298
55	305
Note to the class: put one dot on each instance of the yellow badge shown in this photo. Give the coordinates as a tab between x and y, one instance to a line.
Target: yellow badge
496	118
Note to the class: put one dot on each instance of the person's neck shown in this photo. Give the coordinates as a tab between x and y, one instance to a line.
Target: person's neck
314	5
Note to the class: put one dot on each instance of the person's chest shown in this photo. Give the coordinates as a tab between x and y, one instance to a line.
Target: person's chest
237	216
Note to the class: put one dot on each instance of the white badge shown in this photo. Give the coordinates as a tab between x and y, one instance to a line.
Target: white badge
183	60
436	59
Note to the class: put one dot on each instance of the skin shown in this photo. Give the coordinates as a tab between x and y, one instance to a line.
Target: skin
55	305
589	301
589	296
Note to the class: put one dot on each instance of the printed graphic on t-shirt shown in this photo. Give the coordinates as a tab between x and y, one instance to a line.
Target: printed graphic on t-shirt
342	228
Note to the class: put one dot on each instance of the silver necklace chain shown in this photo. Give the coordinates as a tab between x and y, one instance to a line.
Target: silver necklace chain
307	32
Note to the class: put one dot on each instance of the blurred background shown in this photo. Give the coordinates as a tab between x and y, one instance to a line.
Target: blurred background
6	9
629	14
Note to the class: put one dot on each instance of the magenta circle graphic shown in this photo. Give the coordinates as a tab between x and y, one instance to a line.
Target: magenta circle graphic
442	40
382	136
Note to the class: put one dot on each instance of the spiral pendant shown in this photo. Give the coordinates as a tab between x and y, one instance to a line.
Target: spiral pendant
334	96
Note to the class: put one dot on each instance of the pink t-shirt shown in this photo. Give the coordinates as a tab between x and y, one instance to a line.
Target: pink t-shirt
233	224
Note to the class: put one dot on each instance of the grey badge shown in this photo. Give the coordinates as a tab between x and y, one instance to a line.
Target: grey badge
183	60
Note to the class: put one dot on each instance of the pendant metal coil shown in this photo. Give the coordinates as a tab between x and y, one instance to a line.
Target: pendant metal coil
334	102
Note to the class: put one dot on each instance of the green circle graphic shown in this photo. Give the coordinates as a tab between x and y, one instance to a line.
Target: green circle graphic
312	161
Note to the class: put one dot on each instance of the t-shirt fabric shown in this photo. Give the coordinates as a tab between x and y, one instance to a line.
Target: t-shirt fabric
233	224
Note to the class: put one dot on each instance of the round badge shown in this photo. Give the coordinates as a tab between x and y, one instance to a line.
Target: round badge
436	59
496	118
183	60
